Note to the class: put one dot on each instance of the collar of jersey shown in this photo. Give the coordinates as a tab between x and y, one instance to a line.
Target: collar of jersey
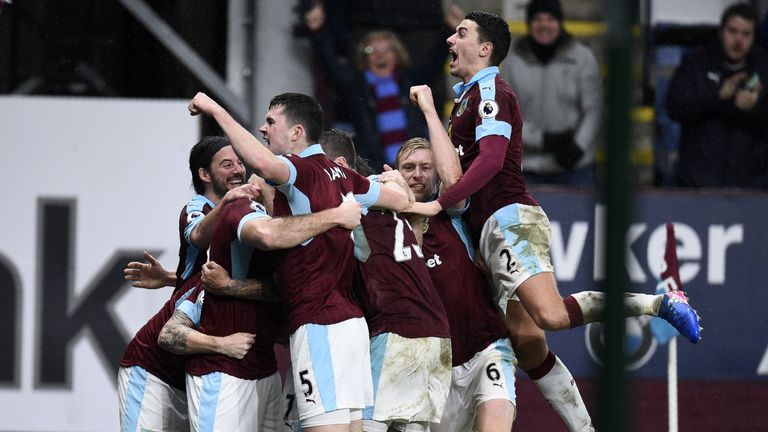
204	199
314	149
462	88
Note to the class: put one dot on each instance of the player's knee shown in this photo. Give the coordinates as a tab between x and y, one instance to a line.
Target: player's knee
550	319
531	354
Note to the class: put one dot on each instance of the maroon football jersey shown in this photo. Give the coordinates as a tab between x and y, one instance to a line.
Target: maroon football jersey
222	316
315	278
475	116
144	351
191	259
474	322
395	289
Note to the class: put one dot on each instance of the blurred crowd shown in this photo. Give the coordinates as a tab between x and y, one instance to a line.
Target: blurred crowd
368	54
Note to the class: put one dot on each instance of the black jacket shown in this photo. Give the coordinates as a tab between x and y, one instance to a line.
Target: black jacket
721	145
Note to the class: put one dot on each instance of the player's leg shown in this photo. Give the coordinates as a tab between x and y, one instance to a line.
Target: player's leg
515	243
412	377
495	416
331	373
494	387
546	370
148	403
356	420
588	306
288	399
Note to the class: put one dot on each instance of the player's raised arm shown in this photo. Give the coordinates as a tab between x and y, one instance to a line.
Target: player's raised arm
445	157
250	149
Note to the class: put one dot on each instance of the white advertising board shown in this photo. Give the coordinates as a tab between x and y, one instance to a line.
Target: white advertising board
88	183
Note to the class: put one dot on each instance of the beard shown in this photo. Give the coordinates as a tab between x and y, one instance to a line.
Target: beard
220	187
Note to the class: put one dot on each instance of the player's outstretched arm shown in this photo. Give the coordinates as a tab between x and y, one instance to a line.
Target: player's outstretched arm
149	275
430	208
216	279
250	149
287	232
180	337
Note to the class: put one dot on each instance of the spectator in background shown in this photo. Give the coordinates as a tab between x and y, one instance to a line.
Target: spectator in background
374	90
717	95
559	88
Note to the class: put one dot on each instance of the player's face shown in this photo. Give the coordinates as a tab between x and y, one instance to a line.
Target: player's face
277	132
226	170
381	57
737	36
464	46
418	172
544	28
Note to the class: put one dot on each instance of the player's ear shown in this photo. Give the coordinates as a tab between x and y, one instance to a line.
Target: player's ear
486	48
342	161
204	175
297	131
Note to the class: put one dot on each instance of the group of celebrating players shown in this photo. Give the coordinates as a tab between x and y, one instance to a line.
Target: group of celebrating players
393	320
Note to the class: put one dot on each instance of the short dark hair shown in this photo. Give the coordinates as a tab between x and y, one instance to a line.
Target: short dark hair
201	156
337	142
363	167
301	109
743	10
492	28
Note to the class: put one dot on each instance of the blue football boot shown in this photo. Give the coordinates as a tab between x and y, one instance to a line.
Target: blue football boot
676	311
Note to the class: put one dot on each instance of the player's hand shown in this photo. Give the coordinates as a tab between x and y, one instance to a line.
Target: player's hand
214	277
267	191
247	190
348	213
453	15
730	85
397	178
424	209
315	17
202	104
236	345
149	275
421	96
745	100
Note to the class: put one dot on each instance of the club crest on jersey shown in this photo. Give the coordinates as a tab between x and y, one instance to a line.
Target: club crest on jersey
462	107
201	298
256	206
194	215
488	108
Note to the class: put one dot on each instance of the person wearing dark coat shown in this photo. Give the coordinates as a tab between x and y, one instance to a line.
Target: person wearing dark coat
718	95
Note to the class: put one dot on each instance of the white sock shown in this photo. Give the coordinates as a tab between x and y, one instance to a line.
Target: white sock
559	389
642	304
592	304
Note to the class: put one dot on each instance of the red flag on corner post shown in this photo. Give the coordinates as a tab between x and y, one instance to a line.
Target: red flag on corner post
670	281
